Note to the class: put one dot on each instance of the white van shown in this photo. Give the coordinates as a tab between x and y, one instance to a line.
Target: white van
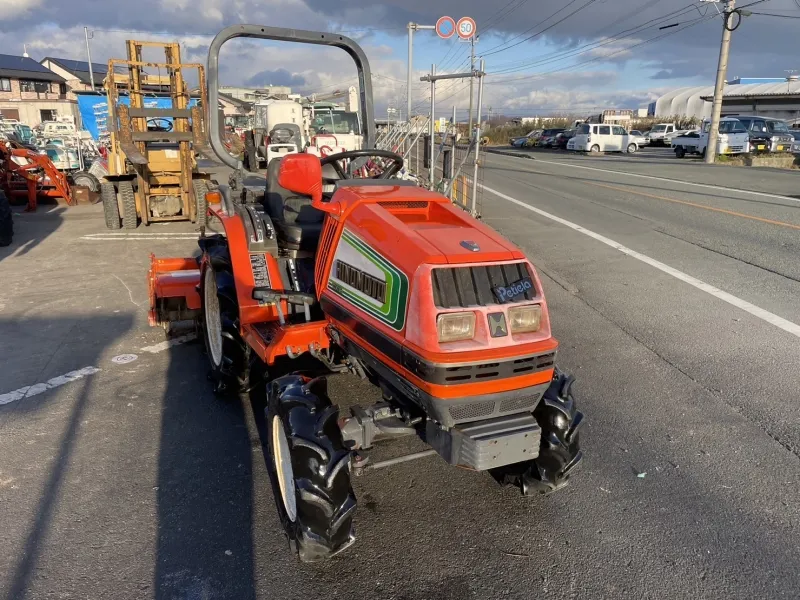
602	138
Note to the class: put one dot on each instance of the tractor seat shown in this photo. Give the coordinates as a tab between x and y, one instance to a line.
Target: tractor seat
297	223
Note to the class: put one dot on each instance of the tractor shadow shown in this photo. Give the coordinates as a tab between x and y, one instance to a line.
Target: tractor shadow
58	419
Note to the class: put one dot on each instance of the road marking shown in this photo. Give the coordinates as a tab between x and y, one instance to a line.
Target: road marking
169	344
754	310
135	237
703	206
654	178
38	388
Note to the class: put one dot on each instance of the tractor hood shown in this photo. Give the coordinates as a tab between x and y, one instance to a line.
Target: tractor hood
412	226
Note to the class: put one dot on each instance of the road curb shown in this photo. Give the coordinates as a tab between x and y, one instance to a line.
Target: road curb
509	153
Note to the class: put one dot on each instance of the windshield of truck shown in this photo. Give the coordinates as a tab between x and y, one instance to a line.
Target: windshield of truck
585	129
729	127
328	121
777	127
659	129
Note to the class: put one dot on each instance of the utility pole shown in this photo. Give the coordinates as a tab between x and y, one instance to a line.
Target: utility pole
719	86
89	55
412	27
471	84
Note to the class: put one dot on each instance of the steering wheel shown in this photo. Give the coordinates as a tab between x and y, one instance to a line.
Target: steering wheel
160	124
334	160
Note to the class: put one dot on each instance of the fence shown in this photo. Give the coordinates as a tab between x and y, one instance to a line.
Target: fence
455	175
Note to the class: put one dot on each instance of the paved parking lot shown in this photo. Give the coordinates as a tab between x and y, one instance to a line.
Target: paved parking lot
121	476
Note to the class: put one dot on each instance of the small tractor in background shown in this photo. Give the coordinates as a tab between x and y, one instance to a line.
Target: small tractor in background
347	270
28	174
152	171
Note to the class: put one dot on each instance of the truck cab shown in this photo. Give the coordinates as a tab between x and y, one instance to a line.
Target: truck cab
732	139
660	133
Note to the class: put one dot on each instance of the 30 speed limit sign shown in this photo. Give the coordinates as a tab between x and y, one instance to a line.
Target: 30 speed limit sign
466	28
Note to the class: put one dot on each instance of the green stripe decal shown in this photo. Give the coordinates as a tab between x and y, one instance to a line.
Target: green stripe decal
393	310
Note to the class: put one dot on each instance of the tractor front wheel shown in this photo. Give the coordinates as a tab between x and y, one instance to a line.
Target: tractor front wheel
228	354
309	467
559	449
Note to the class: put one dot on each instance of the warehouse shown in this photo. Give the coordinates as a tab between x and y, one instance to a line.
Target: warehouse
776	98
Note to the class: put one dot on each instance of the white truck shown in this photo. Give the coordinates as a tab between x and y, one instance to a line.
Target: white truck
733	139
660	134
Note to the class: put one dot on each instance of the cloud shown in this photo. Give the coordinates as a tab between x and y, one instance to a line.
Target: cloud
277	77
14	9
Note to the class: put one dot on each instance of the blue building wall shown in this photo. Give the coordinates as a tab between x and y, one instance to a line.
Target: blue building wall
94	110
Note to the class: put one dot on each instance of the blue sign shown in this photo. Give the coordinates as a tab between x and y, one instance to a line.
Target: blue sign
94	110
445	27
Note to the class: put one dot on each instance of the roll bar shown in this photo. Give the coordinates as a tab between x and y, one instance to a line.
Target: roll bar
283	34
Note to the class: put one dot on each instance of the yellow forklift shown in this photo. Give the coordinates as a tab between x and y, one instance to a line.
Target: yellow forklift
152	171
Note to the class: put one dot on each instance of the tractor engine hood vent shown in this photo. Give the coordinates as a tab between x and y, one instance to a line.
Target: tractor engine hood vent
464	287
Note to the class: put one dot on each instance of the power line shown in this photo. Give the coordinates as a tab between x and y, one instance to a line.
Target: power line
559	56
774	15
548	28
651	40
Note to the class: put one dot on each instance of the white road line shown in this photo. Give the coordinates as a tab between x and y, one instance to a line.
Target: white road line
754	310
169	344
38	388
136	238
654	178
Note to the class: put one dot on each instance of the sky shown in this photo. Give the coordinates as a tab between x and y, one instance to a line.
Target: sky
542	57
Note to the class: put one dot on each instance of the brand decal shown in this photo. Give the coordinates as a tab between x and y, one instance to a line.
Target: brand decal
369	282
512	291
258	262
363	282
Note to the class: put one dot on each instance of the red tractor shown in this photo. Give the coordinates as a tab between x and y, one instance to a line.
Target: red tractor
380	279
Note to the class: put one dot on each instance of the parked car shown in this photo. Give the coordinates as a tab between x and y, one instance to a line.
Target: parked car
796	143
563	138
733	139
602	138
766	134
518	142
639	138
548	137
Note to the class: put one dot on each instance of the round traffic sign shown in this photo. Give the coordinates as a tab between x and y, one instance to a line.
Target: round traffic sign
446	27
466	27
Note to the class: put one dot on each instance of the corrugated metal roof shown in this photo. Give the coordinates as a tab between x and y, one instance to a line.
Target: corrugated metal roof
749	90
21	67
75	66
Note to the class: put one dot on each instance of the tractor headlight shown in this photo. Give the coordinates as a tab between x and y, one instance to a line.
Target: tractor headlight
525	319
455	327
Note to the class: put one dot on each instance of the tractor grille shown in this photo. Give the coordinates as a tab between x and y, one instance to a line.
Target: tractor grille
472	411
324	249
462	287
499	370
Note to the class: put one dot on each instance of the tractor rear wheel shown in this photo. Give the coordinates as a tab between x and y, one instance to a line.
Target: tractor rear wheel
309	468
87	180
559	449
228	354
108	195
6	221
200	187
127	197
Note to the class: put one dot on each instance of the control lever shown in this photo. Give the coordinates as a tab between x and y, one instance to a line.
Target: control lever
271	296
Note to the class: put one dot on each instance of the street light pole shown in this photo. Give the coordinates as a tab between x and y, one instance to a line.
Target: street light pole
412	27
719	85
89	56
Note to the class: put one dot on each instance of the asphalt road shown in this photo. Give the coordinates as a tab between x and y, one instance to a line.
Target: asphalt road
133	481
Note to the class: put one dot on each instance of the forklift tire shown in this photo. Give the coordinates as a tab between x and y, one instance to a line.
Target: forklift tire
6	221
108	195
309	467
87	180
228	354
127	197
200	187
559	450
